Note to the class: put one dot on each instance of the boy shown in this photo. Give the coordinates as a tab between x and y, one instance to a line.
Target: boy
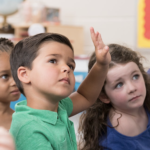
42	66
8	89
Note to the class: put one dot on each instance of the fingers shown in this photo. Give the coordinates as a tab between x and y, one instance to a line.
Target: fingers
102	53
6	141
94	36
92	33
105	50
100	41
97	39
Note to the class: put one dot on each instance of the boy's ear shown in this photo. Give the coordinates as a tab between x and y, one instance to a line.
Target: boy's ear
104	98
23	74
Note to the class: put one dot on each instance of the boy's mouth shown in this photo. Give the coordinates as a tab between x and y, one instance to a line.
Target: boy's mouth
66	80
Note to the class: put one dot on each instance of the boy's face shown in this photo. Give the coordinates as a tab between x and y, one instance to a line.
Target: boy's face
52	75
8	89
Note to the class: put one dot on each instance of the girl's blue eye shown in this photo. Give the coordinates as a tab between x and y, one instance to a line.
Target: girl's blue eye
119	85
135	77
53	61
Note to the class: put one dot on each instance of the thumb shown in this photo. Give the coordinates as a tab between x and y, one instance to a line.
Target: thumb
105	51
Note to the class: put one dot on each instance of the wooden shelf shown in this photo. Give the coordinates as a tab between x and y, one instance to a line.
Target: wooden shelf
73	33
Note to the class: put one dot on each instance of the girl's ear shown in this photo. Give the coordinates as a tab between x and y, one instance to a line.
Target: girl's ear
104	98
23	74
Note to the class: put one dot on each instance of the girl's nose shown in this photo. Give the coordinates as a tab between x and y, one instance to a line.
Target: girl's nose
12	82
131	87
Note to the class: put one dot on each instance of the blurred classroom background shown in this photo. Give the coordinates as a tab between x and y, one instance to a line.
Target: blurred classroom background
124	22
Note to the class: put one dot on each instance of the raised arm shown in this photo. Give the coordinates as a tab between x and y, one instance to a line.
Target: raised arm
90	88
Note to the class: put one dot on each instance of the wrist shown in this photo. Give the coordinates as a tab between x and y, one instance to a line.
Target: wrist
102	65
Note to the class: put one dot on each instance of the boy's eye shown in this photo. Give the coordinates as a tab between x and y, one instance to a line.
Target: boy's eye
71	67
135	77
4	76
119	85
53	61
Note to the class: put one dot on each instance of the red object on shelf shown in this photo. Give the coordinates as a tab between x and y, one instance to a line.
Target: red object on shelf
24	34
147	19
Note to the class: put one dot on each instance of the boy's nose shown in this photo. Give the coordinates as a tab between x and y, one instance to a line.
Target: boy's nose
65	68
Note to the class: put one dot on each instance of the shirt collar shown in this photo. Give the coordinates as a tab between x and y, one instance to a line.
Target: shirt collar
44	115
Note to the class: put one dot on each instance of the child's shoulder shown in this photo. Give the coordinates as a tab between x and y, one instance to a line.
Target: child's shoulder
23	123
27	131
24	117
148	115
66	104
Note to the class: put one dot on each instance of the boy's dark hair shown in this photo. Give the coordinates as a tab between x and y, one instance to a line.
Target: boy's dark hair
26	51
93	122
6	45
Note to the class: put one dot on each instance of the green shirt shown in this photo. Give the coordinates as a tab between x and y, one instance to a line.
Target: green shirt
35	129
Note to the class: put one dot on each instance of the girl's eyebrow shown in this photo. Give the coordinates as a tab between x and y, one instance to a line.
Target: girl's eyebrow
121	77
116	80
135	71
2	72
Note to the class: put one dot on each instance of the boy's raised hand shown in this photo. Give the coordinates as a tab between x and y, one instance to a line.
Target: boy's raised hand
6	141
90	88
101	50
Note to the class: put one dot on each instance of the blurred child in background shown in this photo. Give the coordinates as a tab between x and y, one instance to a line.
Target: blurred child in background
6	140
8	89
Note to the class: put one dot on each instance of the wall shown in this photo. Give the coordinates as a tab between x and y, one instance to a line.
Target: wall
114	19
